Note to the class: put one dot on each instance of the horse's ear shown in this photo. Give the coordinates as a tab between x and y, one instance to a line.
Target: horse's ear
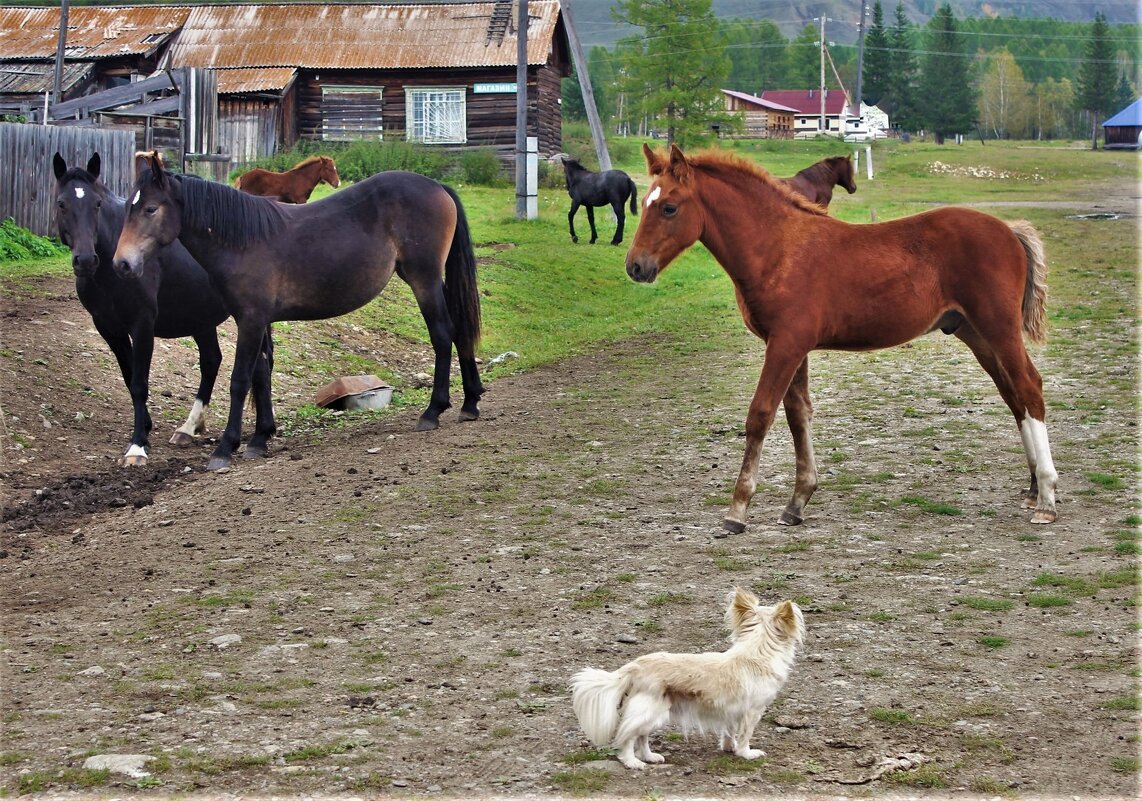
156	164
654	164
59	165
93	165
142	162
679	166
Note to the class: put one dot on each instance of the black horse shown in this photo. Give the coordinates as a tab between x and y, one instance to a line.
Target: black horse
275	261
591	189
172	297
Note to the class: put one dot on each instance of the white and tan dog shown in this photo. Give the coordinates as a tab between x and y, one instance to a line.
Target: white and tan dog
721	692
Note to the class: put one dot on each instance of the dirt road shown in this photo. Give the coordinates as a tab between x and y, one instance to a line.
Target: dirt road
377	611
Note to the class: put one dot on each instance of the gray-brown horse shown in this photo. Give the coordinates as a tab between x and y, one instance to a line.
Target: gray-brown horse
272	261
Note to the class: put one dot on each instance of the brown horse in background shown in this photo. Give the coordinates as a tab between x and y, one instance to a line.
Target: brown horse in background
295	185
805	281
816	181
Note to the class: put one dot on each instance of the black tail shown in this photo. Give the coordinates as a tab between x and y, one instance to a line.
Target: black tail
460	284
633	197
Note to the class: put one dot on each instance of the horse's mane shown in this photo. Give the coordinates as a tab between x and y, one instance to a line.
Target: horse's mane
235	218
306	162
730	168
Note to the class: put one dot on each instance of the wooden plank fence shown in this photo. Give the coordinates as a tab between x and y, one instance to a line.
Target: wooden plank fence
27	180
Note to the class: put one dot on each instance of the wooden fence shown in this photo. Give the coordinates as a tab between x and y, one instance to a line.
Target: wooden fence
27	180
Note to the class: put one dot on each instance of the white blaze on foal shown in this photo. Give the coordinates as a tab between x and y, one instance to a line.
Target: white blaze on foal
79	192
653	195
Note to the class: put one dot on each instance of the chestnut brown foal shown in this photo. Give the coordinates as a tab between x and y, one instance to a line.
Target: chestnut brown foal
806	281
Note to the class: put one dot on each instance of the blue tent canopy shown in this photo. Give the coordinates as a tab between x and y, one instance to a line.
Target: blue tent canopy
1131	115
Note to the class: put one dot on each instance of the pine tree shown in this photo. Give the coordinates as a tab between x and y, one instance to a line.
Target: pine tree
877	59
949	100
1096	76
901	89
677	67
1124	94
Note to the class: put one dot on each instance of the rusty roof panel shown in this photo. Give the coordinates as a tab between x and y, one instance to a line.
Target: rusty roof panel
92	32
254	79
356	36
25	77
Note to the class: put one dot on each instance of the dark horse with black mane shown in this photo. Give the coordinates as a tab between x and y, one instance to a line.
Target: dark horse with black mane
172	297
272	261
590	189
816	181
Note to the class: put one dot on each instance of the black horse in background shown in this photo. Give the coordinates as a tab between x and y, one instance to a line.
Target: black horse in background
591	189
173	297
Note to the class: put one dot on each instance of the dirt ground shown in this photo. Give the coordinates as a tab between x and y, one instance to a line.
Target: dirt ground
374	611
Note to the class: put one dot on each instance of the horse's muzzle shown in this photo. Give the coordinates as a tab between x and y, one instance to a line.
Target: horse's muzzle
643	271
126	266
84	264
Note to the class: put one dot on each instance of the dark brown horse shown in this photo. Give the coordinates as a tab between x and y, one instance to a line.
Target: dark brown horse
295	185
172	297
590	189
272	261
816	181
805	281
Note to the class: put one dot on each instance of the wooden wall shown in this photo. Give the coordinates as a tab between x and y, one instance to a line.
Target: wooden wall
27	180
490	117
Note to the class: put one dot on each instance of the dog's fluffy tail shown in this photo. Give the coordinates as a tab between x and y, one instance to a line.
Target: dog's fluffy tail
596	696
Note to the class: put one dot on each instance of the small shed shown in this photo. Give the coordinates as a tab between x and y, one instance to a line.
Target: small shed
1123	131
762	119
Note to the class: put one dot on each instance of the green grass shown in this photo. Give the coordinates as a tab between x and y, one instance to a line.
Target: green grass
987	604
896	716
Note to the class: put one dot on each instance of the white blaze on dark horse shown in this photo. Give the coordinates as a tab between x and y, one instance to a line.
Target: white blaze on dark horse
591	189
171	297
273	261
806	281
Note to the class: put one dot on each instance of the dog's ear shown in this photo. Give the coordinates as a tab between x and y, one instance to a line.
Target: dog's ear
741	609
787	617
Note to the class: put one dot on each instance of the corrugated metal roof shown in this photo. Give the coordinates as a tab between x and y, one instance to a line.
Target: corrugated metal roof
357	36
759	101
807	101
243	80
25	77
92	32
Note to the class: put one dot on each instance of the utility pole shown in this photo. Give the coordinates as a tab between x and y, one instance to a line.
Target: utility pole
823	130
585	88
860	55
521	114
57	86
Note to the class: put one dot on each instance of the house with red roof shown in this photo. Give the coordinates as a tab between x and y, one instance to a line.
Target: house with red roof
808	109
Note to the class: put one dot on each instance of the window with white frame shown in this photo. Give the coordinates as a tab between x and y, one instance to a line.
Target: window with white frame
351	112
436	115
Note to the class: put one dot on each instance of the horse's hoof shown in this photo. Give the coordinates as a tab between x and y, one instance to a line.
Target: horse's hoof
427	424
1030	501
733	526
181	439
575	239
254	453
217	463
1042	516
789	519
135	460
466	415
